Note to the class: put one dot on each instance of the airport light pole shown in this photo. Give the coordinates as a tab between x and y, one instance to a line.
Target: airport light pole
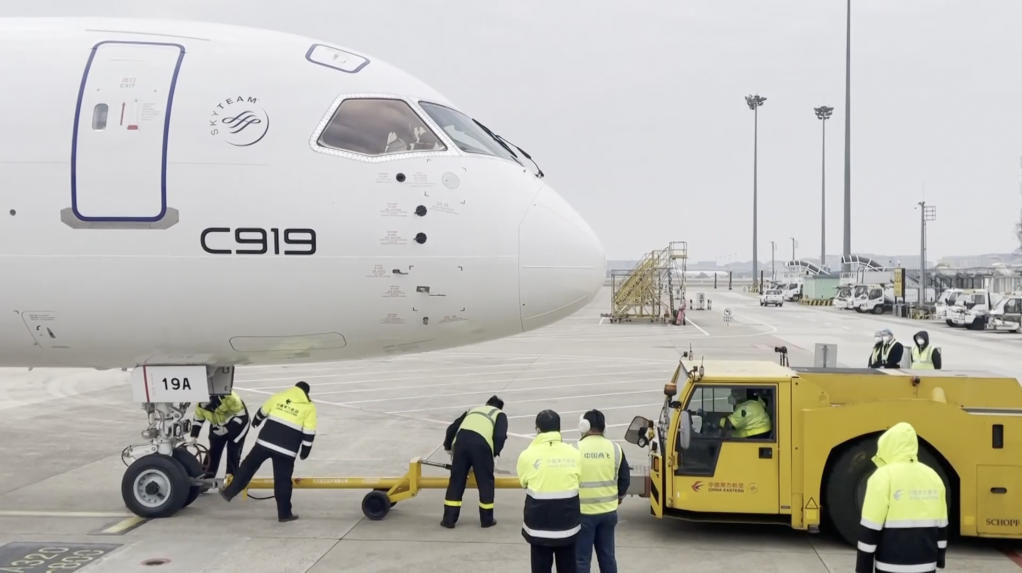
926	213
823	114
847	250
794	244
773	271
754	102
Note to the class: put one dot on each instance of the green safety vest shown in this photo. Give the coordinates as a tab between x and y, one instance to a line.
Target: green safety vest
922	360
480	420
601	461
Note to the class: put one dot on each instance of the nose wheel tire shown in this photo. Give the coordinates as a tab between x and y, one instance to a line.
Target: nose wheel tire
193	469
376	505
155	486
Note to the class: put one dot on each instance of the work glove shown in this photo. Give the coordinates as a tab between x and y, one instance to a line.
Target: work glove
306	450
256	422
190	440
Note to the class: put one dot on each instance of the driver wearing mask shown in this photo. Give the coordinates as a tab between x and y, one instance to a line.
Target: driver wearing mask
749	419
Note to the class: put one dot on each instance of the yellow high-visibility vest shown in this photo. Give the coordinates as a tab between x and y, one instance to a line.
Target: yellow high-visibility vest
480	420
922	360
601	461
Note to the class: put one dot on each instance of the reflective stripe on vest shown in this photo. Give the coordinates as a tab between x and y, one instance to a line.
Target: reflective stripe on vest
922	360
601	460
480	420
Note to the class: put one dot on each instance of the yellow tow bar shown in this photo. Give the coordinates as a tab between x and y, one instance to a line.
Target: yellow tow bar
387	491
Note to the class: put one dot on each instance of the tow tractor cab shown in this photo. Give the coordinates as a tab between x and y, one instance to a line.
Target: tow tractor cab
971	310
813	461
843	297
1007	315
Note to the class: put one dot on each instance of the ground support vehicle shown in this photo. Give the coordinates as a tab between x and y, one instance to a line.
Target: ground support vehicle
771	297
812	467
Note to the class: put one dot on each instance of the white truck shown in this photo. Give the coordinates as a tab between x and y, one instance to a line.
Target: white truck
1007	315
944	302
972	309
879	298
848	294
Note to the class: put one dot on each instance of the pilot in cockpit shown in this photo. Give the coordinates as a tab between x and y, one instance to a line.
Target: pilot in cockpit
749	419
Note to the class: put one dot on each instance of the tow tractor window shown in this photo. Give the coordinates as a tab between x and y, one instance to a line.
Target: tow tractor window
378	127
1012	306
876	293
726	414
468	135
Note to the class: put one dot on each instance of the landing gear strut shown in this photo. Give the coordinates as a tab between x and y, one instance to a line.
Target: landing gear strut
162	475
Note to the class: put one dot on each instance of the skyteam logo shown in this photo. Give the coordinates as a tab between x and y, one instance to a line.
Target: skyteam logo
239	121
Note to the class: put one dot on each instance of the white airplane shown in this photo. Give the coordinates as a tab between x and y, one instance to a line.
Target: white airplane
180	198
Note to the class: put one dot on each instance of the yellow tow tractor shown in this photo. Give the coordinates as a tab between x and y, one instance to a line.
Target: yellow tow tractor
816	458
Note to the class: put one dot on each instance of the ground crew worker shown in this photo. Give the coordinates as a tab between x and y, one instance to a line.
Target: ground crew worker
749	419
473	440
603	485
550	471
228	426
924	356
290	428
887	352
904	514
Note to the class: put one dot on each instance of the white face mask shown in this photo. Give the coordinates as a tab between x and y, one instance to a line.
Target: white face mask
877	339
888	339
920	341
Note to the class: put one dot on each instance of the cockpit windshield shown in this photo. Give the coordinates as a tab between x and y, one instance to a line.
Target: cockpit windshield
468	135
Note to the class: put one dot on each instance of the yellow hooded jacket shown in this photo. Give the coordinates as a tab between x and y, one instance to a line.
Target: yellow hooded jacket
904	514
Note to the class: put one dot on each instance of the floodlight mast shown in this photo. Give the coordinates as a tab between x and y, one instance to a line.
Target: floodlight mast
755	102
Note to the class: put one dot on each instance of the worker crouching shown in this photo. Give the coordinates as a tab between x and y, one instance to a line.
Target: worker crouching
228	426
473	441
904	513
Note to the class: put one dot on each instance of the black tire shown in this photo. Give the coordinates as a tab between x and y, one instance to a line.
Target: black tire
949	323
878	309
376	505
164	468
384	492
845	485
193	469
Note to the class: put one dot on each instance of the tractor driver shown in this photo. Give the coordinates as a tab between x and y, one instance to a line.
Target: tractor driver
749	419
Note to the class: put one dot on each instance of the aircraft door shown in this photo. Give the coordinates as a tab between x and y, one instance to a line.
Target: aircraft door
719	472
121	132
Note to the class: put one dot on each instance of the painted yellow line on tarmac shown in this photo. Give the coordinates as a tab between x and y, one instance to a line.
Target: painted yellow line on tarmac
15	513
124	526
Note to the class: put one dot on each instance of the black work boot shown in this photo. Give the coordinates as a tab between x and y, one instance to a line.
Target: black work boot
451	514
291	517
486	517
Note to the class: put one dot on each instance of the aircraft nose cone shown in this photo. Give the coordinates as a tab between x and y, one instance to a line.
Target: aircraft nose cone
562	264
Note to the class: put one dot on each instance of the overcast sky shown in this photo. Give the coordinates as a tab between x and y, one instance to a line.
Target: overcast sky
636	111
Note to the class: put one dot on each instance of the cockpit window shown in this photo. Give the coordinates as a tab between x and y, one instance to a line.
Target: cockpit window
466	133
378	127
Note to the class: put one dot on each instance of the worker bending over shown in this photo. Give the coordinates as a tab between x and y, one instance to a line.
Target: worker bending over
887	352
473	441
603	485
290	428
904	514
924	356
749	419
228	426
550	471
